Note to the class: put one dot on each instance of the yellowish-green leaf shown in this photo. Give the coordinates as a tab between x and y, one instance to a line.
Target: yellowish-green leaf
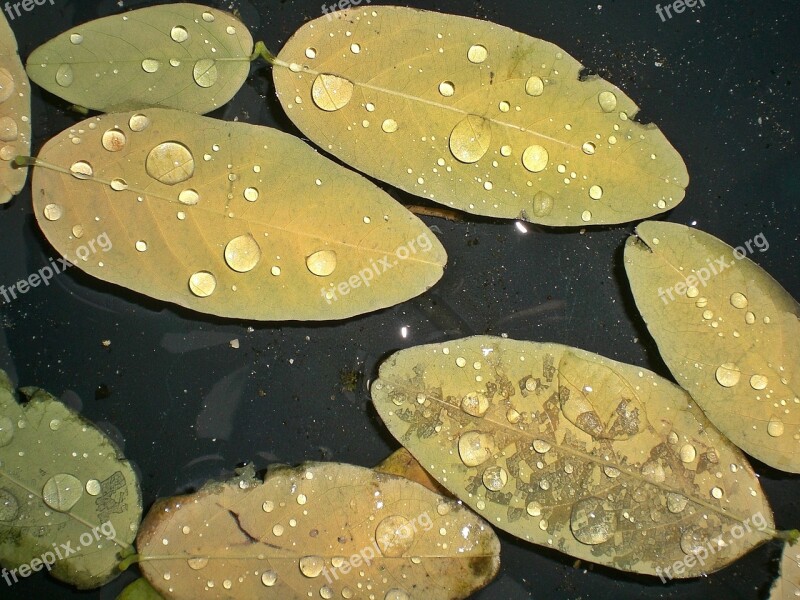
69	502
787	585
317	531
178	55
403	463
140	590
15	113
475	116
728	332
228	218
604	461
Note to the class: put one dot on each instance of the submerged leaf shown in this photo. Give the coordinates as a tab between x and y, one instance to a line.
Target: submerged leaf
728	332
179	55
15	113
67	496
229	219
604	461
321	530
475	116
787	585
403	463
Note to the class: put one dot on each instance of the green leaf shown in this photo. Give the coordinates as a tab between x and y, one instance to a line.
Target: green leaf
140	590
68	499
728	332
604	461
15	114
475	116
317	531
227	218
179	55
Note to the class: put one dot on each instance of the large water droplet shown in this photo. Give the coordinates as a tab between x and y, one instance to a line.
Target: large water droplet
595	192
775	427
331	92
475	448
693	541
150	65
607	101
53	212
62	491
394	536
65	76
269	578
738	300
653	471
311	566
179	34
728	375
9	130
470	139
676	503
243	253
119	185
758	382
170	163
495	478
475	404
477	54
389	126
322	263
9	506
81	170
202	284
535	158
197	563
114	140
542	204
251	194
591	523
139	122
396	594
534	86
205	72
447	88
688	453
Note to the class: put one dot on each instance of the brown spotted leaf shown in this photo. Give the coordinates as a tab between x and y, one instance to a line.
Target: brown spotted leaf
475	116
728	332
604	461
403	463
320	530
15	113
227	218
177	55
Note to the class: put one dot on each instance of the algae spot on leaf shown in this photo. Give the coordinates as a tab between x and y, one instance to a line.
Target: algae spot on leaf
320	530
727	331
604	461
178	55
475	116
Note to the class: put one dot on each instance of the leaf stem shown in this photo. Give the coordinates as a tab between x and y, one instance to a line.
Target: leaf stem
790	537
261	51
129	560
21	161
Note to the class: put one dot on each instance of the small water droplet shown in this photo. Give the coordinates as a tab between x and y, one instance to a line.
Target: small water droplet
534	509
205	72
119	185
331	92
208	17
202	284
504	106
93	487
322	263
76	38
676	502
389	126
595	192
542	204
311	53
230	30
53	212
589	148
716	493
179	34
65	76
738	300
728	375
81	170
138	123
586	216
495	478
475	404
77	231
477	54
141	246
688	453
269	578
150	65
311	566
447	88
775	427
114	140
6	431
251	194
541	446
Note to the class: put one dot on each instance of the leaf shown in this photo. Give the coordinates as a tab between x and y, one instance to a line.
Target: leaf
140	590
475	116
15	114
787	585
603	461
403	464
179	55
67	496
320	530
228	219
727	331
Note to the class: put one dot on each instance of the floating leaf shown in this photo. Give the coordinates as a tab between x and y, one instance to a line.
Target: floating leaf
68	499
604	461
228	218
15	112
321	530
475	116
787	586
403	463
178	55
140	590
728	332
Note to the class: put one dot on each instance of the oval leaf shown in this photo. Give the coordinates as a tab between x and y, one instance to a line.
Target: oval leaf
475	116
321	530
787	585
15	114
604	461
728	332
179	55
229	219
67	496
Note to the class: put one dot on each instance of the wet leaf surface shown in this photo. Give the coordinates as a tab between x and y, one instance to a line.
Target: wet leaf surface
603	461
321	531
227	218
475	116
728	332
15	114
403	464
178	55
787	585
65	489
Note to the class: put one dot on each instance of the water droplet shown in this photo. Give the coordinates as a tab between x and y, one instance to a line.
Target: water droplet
53	212
268	506
141	246
692	292
591	523
758	382
119	185
394	536
93	487
202	284
504	106
326	593
542	204
230	30
607	101
150	65
586	216
114	140
208	17
534	86
243	253
447	88
170	163
76	38
62	491
276	271
9	506
65	76
278	529
535	158
728	375
504	151
775	427
269	578
676	502
205	72
331	92
653	471
9	131
495	478
589	148
6	431
716	493
738	300
475	404
475	448
179	34
396	594
251	194
470	139
311	53
311	566
541	446
139	123
389	126
189	197
322	263
534	509
595	192
688	453
477	54
749	318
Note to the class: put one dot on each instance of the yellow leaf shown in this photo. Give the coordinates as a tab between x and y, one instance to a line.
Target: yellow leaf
475	116
604	461
15	114
229	219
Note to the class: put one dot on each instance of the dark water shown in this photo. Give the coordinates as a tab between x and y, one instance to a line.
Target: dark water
721	82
